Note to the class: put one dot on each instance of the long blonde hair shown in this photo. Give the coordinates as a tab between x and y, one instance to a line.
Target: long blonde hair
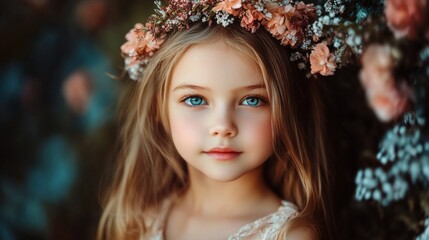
150	169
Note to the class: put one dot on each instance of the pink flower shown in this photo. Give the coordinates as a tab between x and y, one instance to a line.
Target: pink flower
251	18
133	39
322	61
288	22
383	95
279	25
228	6
307	11
141	43
404	18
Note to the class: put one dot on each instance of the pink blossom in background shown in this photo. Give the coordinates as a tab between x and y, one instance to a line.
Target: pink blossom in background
383	95
405	17
77	90
92	14
322	61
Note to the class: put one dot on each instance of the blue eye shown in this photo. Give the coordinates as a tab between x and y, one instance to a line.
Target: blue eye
195	101
252	101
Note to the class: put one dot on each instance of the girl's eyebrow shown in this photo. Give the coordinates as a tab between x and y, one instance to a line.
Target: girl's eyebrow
195	87
189	86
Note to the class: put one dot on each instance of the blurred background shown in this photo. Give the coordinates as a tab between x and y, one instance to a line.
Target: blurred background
59	65
60	82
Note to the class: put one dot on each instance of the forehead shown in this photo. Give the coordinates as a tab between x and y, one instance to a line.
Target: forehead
216	64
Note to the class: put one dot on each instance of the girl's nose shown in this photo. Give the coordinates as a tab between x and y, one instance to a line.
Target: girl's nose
223	125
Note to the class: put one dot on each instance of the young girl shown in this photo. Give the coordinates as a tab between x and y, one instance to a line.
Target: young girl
222	138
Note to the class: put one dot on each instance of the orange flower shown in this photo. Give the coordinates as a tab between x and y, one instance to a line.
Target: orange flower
228	6
141	43
288	22
383	95
306	10
133	39
279	24
404	18
250	16
322	61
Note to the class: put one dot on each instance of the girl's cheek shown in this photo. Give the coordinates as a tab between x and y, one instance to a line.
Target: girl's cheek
185	128
257	126
183	124
255	119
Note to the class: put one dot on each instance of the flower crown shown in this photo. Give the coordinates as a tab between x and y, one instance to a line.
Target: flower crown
294	24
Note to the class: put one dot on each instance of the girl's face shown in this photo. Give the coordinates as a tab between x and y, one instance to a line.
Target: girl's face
219	111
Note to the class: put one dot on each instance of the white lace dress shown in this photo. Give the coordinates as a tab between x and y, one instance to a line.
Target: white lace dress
265	228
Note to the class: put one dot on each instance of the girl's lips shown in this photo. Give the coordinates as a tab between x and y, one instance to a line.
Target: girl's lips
223	153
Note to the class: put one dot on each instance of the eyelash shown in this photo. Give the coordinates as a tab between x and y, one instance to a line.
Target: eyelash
262	100
192	96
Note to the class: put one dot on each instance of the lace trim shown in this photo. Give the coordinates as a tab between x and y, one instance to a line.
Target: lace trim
267	226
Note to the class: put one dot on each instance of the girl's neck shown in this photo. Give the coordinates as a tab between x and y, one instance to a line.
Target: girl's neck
207	197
